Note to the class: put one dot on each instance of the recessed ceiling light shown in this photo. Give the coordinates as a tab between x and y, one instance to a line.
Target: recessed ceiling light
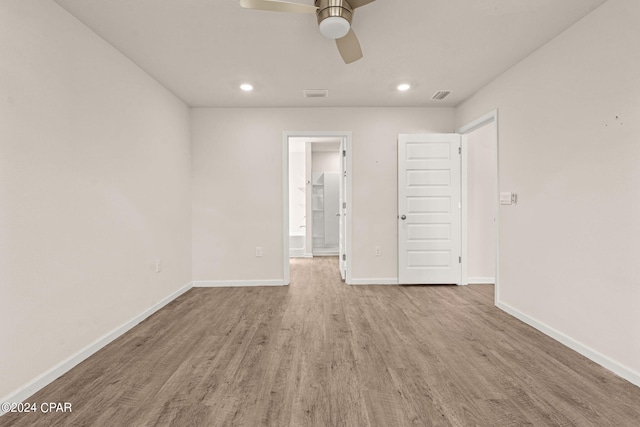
404	87
246	87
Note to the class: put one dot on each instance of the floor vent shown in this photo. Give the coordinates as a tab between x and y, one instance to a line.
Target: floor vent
315	93
441	94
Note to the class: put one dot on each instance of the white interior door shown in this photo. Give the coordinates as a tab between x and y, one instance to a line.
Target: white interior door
429	214
342	240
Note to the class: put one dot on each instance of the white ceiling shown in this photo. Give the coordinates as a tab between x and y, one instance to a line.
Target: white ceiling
202	50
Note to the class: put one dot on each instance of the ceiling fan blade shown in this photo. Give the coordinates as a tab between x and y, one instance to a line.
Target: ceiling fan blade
349	47
277	6
359	3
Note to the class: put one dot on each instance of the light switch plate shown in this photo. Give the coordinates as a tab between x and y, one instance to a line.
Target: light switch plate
507	198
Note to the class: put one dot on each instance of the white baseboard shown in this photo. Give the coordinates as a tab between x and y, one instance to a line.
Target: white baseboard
481	280
236	283
602	360
300	255
46	378
378	281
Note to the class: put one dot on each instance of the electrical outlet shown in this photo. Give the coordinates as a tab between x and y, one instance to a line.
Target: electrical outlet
378	251
258	251
158	265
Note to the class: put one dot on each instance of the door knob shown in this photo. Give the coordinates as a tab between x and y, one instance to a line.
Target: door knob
403	217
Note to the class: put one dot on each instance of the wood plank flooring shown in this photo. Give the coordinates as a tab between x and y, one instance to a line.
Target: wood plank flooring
320	353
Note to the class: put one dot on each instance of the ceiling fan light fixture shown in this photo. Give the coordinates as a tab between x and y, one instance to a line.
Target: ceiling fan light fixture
334	20
334	27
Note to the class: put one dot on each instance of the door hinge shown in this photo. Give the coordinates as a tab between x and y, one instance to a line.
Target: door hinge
344	153
344	205
344	257
459	150
459	260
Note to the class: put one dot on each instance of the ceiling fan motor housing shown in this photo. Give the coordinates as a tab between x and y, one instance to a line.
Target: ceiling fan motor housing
332	15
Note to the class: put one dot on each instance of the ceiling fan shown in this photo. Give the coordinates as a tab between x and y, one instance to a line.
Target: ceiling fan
334	20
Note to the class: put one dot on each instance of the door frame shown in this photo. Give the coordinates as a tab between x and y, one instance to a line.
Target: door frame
342	233
346	135
490	118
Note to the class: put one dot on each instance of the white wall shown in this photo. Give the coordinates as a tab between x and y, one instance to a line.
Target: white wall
569	120
325	161
94	186
237	185
481	205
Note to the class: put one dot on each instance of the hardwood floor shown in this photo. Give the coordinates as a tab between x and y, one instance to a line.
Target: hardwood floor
321	353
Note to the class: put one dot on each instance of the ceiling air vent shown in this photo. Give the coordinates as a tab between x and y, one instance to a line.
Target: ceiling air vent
441	94
315	93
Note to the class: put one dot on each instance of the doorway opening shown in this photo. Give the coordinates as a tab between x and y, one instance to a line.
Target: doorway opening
480	188
317	197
